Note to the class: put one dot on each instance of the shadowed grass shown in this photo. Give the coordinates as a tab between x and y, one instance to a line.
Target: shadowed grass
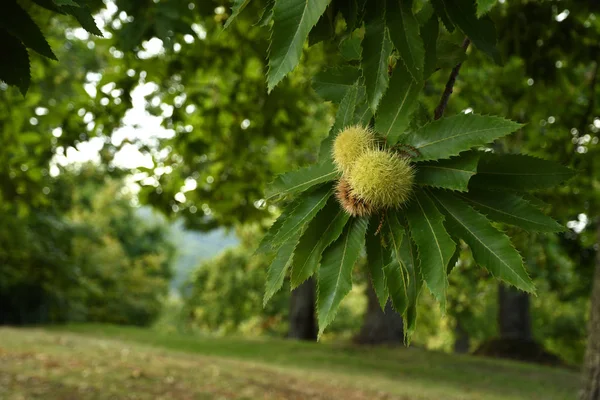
269	368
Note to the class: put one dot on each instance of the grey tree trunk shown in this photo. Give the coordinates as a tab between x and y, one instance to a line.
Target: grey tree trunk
514	320
591	365
380	327
303	325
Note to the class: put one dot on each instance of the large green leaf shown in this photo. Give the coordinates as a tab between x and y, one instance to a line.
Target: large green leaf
302	179
404	32
84	16
306	208
335	274
406	254
267	14
325	228
279	266
376	52
512	209
19	24
293	20
518	172
481	31
396	275
397	105
267	244
491	248
434	244
377	258
332	84
16	72
449	54
429	33
343	118
448	137
453	173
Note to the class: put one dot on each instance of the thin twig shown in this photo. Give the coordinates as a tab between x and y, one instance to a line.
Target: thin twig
439	110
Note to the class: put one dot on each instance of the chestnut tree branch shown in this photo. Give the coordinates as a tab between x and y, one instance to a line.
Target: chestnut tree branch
439	110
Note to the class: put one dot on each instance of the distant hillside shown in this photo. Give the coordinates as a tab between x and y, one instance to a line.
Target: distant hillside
192	247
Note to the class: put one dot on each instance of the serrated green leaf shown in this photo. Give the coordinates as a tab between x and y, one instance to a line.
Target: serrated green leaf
363	113
343	118
335	274
518	172
511	209
19	24
349	10
429	33
448	137
267	14
376	51
350	48
302	179
267	244
279	266
84	16
434	244
14	71
398	105
481	31
404	32
407	256
293	20
377	258
237	7
396	275
323	230
453	173
440	10
307	207
485	6
323	30
491	248
449	54
332	84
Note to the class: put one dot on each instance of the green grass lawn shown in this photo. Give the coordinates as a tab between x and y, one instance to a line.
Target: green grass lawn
107	362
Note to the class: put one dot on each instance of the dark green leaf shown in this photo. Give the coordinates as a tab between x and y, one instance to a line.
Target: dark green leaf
279	266
449	54
333	84
325	228
453	173
302	179
293	20
267	244
19	24
307	207
377	258
350	48
84	16
404	32
518	172
237	7
512	209
398	105
434	244
16	70
484	6
65	3
376	52
335	273
481	31
491	248
448	137
323	30
440	10
429	33
349	10
396	275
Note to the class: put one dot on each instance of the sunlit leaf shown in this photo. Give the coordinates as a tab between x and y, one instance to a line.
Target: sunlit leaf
279	267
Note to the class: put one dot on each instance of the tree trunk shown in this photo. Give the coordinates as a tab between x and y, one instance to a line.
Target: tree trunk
379	327
514	320
303	325
462	341
591	366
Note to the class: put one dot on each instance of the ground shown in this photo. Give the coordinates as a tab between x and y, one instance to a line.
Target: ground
105	362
